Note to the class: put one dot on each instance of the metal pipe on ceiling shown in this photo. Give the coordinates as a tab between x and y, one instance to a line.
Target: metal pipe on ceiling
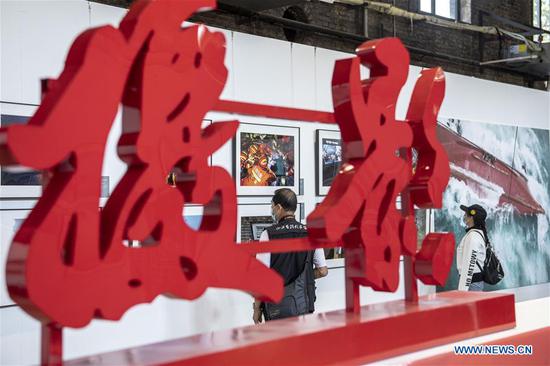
293	24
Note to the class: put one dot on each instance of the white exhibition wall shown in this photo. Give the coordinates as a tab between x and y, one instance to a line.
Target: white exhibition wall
35	37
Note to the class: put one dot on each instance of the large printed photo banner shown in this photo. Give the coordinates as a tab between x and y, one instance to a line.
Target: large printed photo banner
506	169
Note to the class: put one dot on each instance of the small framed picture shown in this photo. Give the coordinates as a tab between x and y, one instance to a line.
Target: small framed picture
266	158
258	228
252	220
18	181
328	159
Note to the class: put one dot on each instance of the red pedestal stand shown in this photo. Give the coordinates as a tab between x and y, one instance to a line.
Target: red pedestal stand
378	331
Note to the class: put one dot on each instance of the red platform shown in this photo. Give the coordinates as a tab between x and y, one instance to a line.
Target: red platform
337	337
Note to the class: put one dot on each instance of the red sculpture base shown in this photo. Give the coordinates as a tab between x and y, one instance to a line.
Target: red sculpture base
378	331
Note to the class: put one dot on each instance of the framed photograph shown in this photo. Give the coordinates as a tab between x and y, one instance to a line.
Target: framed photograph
328	159
10	222
252	220
18	181
266	158
259	227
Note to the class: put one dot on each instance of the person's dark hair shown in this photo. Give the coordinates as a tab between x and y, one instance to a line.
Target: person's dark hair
479	215
480	225
286	198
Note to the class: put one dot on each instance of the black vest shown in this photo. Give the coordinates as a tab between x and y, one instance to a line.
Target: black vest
291	264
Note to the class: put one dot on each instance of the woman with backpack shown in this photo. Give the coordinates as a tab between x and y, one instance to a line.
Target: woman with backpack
471	252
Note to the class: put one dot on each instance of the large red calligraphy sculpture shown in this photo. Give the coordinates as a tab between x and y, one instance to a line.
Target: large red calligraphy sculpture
68	263
360	207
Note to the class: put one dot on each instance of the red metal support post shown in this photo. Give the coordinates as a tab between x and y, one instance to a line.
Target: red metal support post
51	344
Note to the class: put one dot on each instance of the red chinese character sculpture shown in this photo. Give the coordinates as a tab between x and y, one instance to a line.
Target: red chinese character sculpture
360	206
67	263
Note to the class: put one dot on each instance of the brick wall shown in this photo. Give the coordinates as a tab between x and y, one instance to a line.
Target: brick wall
457	51
341	17
455	43
246	226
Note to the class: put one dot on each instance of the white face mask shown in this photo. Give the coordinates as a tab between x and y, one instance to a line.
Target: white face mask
273	216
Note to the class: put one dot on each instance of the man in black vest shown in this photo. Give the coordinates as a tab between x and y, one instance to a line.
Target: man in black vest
296	268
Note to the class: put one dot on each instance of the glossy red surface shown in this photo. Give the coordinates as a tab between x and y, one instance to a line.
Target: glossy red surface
68	262
359	209
337	337
293	114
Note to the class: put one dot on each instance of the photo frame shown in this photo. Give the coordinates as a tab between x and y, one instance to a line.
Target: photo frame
17	181
258	228
10	221
328	157
252	219
266	158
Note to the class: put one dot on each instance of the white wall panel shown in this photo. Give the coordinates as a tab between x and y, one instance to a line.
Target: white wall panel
34	43
19	338
474	99
262	70
406	92
101	14
324	66
228	92
303	76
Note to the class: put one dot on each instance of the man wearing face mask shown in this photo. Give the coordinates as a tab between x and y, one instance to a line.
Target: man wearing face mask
298	269
471	252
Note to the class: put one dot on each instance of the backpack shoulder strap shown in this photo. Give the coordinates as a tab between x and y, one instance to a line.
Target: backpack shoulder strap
480	234
484	242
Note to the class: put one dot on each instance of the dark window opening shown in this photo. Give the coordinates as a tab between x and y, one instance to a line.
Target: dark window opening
298	14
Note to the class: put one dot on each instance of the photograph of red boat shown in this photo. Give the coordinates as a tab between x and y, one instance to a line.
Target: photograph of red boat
506	169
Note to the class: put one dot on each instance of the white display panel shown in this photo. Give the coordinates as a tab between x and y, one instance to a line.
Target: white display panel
35	36
10	221
256	81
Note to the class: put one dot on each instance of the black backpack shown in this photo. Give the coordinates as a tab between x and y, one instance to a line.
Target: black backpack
492	269
298	298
